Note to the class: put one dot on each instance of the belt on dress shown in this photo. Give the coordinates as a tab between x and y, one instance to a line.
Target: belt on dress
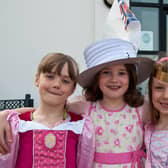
121	158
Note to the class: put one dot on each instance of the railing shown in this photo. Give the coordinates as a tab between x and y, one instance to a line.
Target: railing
17	103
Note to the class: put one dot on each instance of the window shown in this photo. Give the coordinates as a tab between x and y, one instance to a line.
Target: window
147	1
150	27
165	1
153	15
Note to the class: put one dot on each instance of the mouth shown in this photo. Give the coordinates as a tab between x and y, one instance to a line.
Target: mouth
164	104
113	87
56	93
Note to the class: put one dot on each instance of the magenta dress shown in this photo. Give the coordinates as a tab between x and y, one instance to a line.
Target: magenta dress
38	146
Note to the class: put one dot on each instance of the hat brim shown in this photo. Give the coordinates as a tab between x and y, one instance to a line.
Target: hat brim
144	67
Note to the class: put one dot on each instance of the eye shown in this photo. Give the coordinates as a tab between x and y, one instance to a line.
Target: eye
49	76
123	73
157	87
65	81
106	72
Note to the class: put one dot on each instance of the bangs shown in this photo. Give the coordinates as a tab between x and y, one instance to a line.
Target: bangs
55	65
57	69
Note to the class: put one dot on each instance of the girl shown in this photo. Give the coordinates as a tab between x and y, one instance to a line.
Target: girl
113	103
49	136
156	132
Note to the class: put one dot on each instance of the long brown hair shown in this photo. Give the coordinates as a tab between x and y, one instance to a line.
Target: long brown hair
132	97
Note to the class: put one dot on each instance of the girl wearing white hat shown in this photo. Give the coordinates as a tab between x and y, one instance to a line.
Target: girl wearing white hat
116	107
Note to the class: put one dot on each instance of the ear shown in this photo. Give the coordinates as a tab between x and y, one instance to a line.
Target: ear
36	82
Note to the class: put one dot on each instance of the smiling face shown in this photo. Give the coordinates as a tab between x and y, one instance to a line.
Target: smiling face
160	96
114	82
55	88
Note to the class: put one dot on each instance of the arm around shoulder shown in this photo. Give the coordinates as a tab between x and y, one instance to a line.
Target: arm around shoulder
78	105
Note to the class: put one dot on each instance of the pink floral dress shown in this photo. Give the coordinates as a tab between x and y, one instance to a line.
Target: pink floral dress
119	136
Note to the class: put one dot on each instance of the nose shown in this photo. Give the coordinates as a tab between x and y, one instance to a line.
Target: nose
56	83
113	77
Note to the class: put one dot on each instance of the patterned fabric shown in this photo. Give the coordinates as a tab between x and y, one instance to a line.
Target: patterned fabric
117	131
47	147
44	142
157	147
75	135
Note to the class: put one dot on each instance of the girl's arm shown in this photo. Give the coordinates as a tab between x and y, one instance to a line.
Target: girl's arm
5	130
5	133
9	160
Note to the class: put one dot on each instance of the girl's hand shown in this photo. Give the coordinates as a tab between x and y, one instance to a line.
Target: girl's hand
5	130
78	105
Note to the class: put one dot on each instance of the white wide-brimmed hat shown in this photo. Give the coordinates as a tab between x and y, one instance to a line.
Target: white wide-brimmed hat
112	51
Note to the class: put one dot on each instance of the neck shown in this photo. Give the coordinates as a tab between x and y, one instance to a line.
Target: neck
49	115
113	104
163	123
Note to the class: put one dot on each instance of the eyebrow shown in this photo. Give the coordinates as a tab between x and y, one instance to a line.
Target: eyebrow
65	76
157	82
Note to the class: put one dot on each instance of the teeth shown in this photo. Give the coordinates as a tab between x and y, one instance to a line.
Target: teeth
164	104
114	87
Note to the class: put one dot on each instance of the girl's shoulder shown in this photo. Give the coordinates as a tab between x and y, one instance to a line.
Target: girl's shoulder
26	116
75	117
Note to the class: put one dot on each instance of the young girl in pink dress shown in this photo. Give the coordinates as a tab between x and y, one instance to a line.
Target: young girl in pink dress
49	136
156	132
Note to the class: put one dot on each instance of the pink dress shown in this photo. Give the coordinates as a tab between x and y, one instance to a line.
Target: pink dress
38	146
156	142
118	135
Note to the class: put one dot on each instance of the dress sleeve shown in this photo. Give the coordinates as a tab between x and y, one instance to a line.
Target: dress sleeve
148	132
86	145
9	160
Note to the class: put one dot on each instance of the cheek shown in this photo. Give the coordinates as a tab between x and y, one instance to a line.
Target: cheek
101	85
155	97
102	82
69	90
126	82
